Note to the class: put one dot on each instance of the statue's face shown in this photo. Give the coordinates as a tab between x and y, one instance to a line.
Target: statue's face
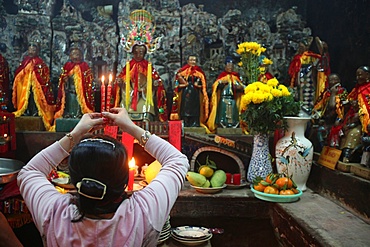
139	52
32	51
362	76
333	79
192	60
229	67
75	55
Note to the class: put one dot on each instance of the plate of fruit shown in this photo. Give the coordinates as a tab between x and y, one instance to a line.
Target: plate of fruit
208	179
276	188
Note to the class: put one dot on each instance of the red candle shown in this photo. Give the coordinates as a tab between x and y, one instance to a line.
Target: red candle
236	179
102	93
109	93
131	175
228	178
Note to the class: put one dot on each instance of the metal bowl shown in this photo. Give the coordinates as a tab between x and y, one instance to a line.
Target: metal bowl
9	169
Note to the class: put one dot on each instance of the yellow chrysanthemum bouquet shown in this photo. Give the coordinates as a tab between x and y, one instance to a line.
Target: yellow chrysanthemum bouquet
264	106
250	53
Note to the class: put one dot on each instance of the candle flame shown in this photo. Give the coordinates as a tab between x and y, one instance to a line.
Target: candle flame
110	78
132	164
102	79
5	135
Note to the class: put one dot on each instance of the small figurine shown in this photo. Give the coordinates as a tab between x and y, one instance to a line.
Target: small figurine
308	72
191	100
32	89
361	93
329	105
226	95
75	93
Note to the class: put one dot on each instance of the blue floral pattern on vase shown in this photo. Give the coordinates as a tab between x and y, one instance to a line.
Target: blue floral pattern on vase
260	163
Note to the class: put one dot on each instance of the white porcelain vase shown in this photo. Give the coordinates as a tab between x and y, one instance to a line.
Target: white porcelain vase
294	152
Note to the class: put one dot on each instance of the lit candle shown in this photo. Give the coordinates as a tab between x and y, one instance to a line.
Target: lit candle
131	174
102	91
109	92
127	85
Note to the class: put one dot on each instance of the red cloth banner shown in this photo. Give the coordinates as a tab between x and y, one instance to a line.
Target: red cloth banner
128	142
175	133
111	131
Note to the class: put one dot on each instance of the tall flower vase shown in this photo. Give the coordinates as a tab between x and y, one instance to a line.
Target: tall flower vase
260	163
294	152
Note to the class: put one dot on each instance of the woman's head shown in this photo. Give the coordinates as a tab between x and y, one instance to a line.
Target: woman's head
99	169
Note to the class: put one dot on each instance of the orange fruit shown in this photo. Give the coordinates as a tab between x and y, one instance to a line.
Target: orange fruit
284	183
259	187
206	171
286	192
271	190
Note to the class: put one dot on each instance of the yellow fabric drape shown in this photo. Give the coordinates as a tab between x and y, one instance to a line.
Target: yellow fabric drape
149	92
127	99
24	82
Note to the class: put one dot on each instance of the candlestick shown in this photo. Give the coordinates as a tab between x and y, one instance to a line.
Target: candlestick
131	174
102	91
109	93
127	85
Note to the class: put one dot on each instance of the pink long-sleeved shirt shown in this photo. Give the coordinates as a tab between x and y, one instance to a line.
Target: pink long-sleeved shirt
138	220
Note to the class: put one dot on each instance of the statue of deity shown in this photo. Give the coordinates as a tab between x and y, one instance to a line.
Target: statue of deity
227	91
190	102
75	93
32	89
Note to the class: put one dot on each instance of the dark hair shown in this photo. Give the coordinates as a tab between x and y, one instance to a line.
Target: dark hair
365	69
104	159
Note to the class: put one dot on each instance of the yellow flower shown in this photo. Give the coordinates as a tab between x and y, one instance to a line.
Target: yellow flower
284	90
273	82
266	61
276	92
250	88
258	98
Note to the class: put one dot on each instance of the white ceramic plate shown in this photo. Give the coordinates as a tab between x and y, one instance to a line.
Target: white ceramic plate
136	187
191	242
276	198
235	187
191	232
208	190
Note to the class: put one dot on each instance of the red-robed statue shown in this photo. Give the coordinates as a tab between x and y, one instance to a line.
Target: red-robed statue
144	96
190	101
32	91
75	92
227	91
361	93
